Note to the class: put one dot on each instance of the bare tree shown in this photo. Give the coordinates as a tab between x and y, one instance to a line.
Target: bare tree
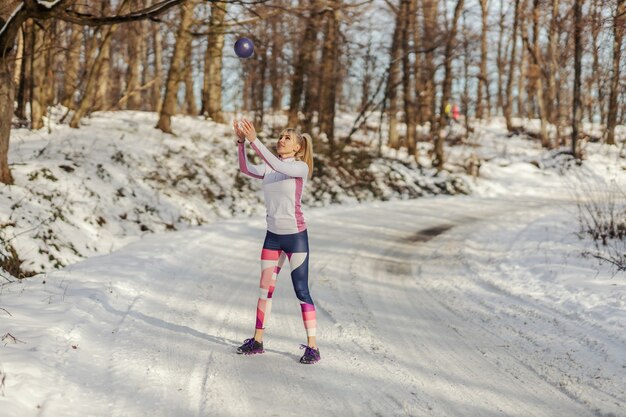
25	82
395	73
276	72
174	77
135	39
408	88
537	79
430	10
578	52
13	14
619	24
39	70
446	84
190	106
96	88
524	96
501	61
596	77
483	82
509	83
155	93
551	103
212	89
72	64
329	73
303	67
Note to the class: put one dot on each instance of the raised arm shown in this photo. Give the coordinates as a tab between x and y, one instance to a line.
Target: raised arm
254	171
293	169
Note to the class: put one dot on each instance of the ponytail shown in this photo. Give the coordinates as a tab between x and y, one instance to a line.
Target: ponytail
306	152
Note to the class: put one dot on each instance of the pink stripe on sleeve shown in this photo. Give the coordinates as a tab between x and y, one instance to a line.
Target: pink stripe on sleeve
243	163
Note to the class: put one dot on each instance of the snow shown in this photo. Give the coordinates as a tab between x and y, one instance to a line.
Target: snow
49	4
13	14
449	305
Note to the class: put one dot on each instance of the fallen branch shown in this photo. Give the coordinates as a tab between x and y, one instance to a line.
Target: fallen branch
11	338
621	265
6	311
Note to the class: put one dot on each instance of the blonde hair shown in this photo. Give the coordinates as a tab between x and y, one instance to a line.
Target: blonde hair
305	153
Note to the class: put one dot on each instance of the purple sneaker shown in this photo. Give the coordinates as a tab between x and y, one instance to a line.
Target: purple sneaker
250	347
311	355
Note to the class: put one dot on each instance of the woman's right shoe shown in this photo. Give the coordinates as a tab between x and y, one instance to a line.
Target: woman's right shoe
250	347
311	355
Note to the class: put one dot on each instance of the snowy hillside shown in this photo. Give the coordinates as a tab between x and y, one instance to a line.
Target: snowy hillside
447	305
90	191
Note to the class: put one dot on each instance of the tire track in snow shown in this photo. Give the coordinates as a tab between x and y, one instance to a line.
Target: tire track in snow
554	322
459	365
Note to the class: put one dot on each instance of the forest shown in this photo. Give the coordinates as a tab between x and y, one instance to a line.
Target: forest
398	62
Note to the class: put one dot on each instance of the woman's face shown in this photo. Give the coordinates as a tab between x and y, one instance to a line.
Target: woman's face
287	144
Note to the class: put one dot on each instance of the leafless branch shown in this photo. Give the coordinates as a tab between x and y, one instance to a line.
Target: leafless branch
73	16
12	338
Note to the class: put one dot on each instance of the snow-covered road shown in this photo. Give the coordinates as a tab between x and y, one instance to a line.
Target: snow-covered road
419	314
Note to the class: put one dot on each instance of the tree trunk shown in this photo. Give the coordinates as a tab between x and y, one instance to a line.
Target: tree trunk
417	69
465	99
275	68
551	109
212	100
190	98
395	79
618	36
7	87
545	140
259	87
522	110
38	99
147	81
157	44
103	86
23	93
367	75
431	29
133	82
312	105
483	82
407	78
578	52
509	82
595	81
446	86
174	76
6	114
328	91
302	67
72	65
19	59
501	60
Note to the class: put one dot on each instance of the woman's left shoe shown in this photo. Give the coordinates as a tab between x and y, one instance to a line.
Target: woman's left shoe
311	355
250	347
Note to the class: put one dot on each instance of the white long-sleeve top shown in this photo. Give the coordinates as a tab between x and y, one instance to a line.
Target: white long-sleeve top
283	183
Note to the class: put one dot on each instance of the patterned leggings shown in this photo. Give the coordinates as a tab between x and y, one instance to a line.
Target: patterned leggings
276	249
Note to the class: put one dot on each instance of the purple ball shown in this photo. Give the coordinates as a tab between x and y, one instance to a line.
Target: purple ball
244	48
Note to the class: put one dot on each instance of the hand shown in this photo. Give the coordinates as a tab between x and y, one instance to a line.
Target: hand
240	135
248	130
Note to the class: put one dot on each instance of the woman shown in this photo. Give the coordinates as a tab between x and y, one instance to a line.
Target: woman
284	178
